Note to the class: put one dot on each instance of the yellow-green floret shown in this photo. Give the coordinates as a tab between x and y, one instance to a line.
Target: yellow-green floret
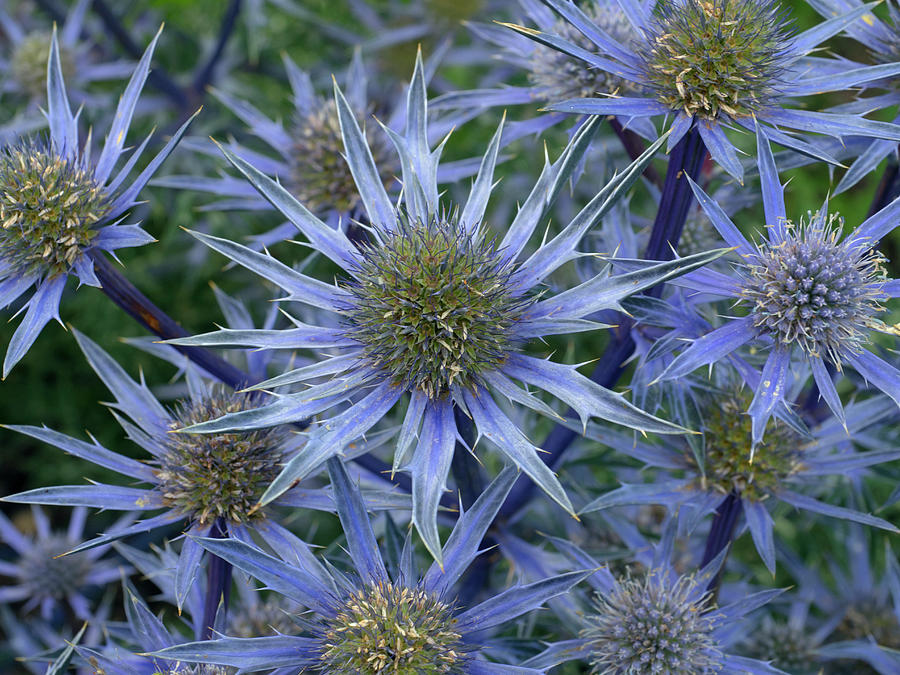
209	476
709	57
728	438
48	208
386	629
433	305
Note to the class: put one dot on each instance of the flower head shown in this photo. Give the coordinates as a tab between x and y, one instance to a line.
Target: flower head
557	76
716	63
373	622
708	57
58	206
433	306
28	63
220	475
386	628
815	290
46	579
654	625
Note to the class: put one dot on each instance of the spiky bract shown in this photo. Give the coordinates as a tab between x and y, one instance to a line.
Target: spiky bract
209	476
558	76
195	670
320	177
28	64
729	463
707	57
433	306
654	625
817	291
48	207
387	628
47	573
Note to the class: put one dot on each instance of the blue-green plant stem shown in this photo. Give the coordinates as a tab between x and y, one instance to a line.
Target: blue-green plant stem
686	159
218	583
466	470
207	70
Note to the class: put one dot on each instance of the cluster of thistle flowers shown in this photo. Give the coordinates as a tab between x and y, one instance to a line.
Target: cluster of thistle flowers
499	510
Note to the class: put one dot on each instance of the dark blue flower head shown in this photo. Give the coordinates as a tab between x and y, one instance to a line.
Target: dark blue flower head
379	621
59	205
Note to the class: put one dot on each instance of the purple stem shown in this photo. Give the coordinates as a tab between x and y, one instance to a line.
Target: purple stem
721	532
139	307
686	158
218	583
205	74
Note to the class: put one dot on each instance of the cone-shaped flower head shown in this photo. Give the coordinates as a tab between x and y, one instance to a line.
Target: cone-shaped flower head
218	475
58	206
391	629
319	175
714	63
28	62
43	577
785	646
558	76
815	290
654	624
706	57
434	306
372	621
809	292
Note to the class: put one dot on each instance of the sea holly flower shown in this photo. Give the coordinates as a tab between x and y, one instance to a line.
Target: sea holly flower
658	620
60	205
375	621
435	306
553	75
713	64
851	622
697	476
41	579
809	293
210	481
24	59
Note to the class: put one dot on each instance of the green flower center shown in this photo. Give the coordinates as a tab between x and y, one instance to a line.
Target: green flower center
320	177
28	65
391	629
709	57
48	207
433	307
209	476
727	441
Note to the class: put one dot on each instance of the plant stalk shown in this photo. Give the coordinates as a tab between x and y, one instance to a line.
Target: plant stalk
721	532
218	583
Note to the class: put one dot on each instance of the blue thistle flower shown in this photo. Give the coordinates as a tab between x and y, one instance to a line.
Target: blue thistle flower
42	579
722	463
434	306
376	622
719	63
203	480
809	293
58	206
24	62
658	620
